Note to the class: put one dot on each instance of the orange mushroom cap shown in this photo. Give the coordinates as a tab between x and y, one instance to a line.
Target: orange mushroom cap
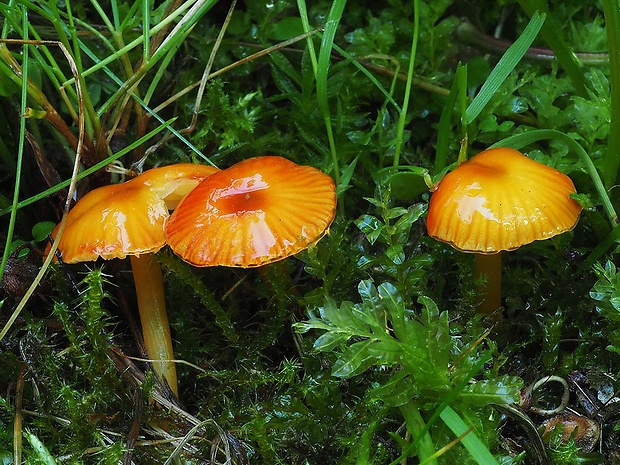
256	212
127	219
500	200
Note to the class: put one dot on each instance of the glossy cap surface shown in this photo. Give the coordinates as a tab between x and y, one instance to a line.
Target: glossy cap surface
173	182
127	219
500	200
256	212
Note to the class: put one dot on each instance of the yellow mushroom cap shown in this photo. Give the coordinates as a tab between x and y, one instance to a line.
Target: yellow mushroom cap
500	200
256	212
173	182
127	219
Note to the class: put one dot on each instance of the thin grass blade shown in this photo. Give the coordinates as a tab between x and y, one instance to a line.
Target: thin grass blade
505	65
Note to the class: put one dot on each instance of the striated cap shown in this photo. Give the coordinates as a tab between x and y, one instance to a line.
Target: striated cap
127	219
500	200
258	211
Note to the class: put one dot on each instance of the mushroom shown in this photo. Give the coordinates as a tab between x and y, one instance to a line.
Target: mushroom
128	219
258	211
497	201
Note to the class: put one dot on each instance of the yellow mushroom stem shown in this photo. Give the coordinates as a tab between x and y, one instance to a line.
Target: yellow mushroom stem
152	307
489	268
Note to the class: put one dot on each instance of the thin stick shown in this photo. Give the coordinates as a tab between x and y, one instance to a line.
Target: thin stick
74	175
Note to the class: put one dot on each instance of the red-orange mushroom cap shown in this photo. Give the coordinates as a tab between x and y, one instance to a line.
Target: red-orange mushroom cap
127	219
500	200
256	212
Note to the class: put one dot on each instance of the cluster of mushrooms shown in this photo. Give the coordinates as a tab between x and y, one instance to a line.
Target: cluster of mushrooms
256	212
265	209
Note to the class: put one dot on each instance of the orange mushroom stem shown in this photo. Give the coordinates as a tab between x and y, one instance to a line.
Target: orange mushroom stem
500	200
488	272
149	286
128	219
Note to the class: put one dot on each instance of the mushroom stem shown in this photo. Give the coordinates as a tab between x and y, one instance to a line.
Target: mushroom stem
489	266
152	307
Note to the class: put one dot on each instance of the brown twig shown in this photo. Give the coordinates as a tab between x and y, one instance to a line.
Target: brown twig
468	34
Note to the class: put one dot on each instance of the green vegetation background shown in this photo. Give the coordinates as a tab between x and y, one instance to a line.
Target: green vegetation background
366	348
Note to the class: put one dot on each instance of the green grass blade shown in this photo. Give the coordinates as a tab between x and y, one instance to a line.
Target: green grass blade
92	122
175	37
20	146
303	14
115	15
104	17
146	27
444	128
182	29
461	82
611	159
476	448
129	16
403	113
331	26
324	59
136	42
144	105
6	24
505	65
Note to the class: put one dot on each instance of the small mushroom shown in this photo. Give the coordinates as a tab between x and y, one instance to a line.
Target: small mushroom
497	201
128	219
258	211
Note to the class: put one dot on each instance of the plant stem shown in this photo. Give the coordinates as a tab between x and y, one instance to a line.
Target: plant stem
611	160
403	112
20	152
489	267
152	307
417	427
